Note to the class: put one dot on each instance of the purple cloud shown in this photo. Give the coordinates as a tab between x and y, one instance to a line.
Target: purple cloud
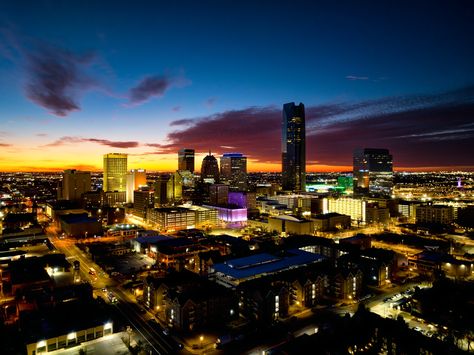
182	122
411	127
154	86
56	77
106	142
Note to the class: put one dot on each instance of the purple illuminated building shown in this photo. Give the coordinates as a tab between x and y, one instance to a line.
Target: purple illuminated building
230	214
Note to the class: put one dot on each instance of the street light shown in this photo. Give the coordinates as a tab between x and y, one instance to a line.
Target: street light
201	338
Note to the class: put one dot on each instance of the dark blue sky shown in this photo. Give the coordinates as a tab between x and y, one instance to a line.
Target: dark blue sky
155	62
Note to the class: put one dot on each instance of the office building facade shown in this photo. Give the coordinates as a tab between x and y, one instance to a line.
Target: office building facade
218	194
136	178
74	184
234	171
372	173
186	160
168	189
144	200
115	172
293	156
210	169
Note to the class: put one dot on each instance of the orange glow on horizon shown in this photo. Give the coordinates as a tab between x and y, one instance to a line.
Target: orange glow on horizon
89	157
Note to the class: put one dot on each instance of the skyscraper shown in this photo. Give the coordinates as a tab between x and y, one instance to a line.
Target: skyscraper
218	194
74	184
135	179
234	171
373	172
210	169
186	159
293	148
115	172
168	189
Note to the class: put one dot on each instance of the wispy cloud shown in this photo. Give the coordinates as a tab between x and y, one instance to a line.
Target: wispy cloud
210	102
335	129
355	77
76	140
182	122
154	86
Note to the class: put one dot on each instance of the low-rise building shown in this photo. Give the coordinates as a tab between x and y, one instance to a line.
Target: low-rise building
290	225
50	330
331	221
347	284
79	225
233	272
434	214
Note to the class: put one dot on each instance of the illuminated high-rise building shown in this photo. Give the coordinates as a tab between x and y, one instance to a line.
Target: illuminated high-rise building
293	148
168	189
135	178
143	201
115	172
373	172
218	194
210	169
74	184
234	171
186	159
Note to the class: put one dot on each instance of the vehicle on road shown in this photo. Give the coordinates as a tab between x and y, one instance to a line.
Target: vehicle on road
223	341
112	297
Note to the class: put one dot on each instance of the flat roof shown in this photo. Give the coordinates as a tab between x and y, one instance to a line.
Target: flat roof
73	218
264	263
151	239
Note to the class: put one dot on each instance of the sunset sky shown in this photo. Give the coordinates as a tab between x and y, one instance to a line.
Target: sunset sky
79	79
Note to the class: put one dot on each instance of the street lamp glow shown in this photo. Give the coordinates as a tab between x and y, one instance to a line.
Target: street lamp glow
108	325
41	343
71	335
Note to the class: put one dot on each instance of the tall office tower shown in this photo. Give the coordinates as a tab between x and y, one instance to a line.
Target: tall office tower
373	172
293	148
186	159
168	189
218	194
210	169
144	200
234	171
135	179
74	184
115	172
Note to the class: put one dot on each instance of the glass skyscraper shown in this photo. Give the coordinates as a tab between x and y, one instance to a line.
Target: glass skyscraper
210	169
115	172
373	172
234	171
293	148
186	159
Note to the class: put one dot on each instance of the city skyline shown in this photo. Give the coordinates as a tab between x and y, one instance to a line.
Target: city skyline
149	85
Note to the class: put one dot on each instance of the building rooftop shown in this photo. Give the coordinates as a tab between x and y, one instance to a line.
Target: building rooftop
265	263
328	215
73	218
151	239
